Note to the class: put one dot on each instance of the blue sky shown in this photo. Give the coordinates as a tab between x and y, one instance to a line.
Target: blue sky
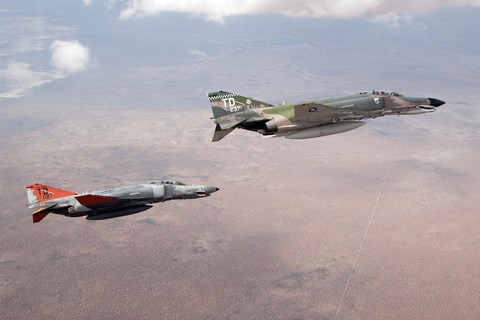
158	50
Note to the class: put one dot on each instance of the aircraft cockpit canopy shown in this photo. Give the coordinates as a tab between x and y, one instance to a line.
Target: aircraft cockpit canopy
382	93
176	183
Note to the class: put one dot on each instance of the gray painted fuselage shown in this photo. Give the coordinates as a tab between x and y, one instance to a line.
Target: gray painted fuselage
95	202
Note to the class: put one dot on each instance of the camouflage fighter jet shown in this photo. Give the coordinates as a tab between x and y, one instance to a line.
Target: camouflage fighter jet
310	119
109	203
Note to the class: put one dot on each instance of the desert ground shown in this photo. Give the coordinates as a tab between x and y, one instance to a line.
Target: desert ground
292	224
377	223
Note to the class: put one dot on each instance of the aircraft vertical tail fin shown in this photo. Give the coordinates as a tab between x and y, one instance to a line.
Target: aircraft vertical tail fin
227	111
224	103
38	193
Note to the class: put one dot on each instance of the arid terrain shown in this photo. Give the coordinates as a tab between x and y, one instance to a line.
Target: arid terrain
278	241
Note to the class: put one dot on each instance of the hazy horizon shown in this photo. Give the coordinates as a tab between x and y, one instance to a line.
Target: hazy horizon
377	223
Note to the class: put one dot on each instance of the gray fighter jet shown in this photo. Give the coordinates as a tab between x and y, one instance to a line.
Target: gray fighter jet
110	203
311	119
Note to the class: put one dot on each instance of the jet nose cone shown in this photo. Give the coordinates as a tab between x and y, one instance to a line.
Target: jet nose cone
210	189
436	102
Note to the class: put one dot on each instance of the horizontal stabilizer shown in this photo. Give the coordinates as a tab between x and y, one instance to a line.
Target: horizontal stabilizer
39	214
90	199
219	134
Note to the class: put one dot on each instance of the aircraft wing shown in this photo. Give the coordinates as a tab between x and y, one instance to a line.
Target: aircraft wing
119	212
317	113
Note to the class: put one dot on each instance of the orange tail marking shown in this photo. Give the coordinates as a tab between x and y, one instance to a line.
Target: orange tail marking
44	193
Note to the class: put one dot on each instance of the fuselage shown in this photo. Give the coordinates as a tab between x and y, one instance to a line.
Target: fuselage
116	198
364	105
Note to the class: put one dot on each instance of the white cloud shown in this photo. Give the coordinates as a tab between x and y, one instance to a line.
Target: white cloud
18	78
108	3
21	34
392	19
70	56
218	10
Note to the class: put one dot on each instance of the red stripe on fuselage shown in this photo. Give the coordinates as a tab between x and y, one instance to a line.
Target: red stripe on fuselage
89	199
